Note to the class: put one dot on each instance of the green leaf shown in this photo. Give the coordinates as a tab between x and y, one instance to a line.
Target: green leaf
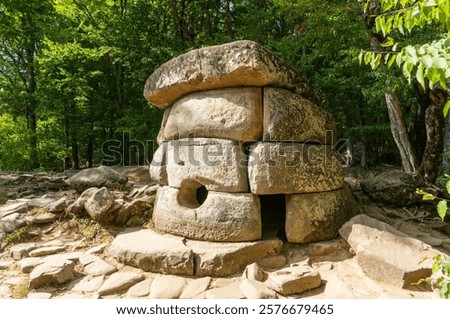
445	110
435	267
447	185
442	209
428	197
360	56
446	267
391	60
419	75
445	290
388	42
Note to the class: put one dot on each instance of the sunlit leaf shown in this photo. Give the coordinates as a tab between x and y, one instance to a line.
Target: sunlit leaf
442	209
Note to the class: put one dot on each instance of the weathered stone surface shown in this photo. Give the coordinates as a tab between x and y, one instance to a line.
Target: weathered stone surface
97	249
20	251
253	289
58	206
158	166
231	291
153	252
396	188
254	272
44	251
167	287
318	216
5	291
119	281
294	280
41	218
273	261
78	206
88	284
53	272
288	168
386	254
101	176
99	205
235	64
5	264
221	217
137	212
11	222
291	117
218	165
39	295
141	289
160	138
99	268
195	288
324	248
13	208
224	259
231	113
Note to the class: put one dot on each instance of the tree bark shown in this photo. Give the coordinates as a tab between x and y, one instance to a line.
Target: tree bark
400	133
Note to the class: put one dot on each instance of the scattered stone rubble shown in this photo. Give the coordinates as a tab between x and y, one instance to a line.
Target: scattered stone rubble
142	263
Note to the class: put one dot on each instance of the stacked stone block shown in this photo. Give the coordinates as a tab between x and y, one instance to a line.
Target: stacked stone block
240	123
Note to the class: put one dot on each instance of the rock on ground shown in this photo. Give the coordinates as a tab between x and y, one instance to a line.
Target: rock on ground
52	272
294	280
167	287
386	254
396	188
118	282
101	176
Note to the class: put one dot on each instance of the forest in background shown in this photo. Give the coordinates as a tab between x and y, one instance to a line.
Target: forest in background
72	73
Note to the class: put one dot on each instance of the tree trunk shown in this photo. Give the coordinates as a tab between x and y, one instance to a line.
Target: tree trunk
228	18
90	152
400	133
75	158
32	104
417	130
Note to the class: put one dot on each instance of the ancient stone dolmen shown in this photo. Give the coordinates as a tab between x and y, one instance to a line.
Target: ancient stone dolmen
243	145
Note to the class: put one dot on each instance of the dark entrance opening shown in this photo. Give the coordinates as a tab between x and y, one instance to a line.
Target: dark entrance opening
273	215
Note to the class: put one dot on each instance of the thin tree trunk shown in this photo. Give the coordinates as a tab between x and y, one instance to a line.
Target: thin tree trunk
228	18
400	133
90	152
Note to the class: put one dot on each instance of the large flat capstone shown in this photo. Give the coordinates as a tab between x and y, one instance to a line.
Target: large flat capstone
235	64
231	113
218	165
291	117
217	217
291	168
167	254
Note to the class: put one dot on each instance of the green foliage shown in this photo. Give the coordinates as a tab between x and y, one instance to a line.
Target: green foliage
18	236
441	274
425	62
14	147
441	206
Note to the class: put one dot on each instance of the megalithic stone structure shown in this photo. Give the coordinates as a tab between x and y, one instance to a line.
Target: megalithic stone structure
243	136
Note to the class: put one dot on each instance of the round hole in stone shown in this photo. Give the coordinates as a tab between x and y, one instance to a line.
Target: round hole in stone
192	194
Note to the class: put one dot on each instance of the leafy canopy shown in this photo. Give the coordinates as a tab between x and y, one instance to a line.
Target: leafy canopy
427	61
